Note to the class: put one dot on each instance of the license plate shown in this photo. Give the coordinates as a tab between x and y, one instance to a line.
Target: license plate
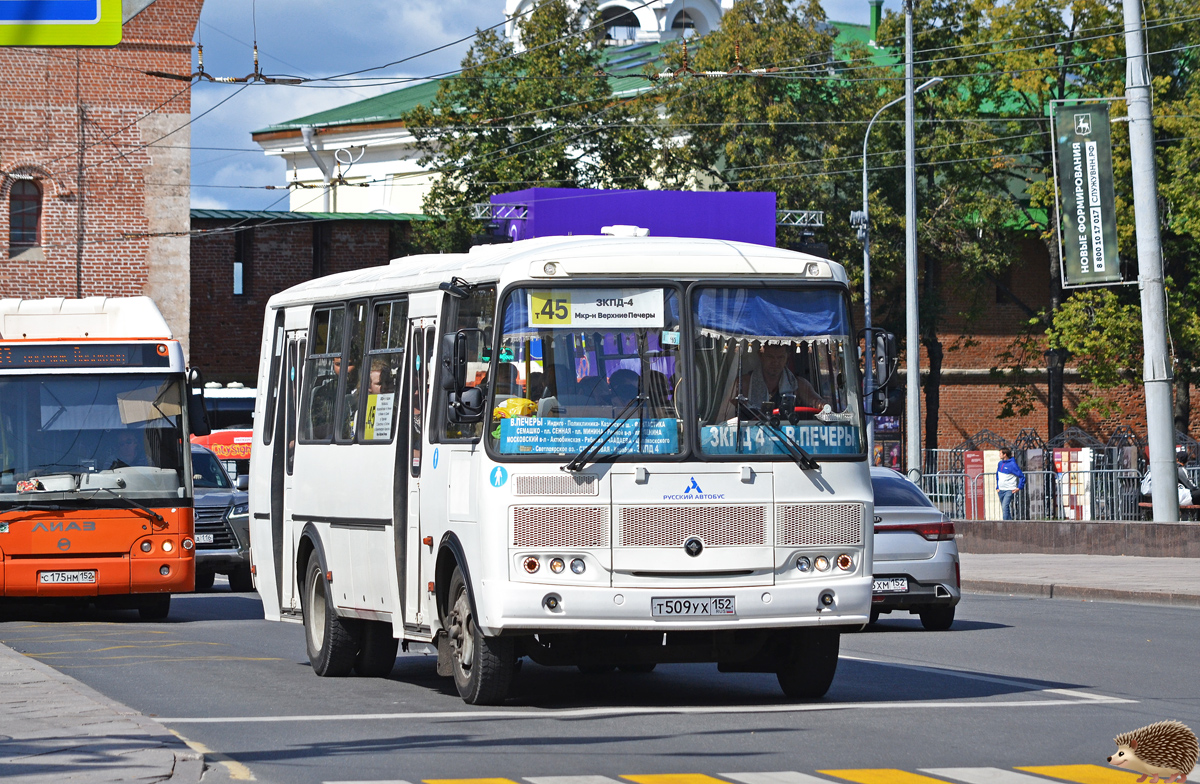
204	538
85	576
891	585
702	607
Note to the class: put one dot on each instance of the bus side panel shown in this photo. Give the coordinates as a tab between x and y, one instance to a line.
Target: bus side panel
261	465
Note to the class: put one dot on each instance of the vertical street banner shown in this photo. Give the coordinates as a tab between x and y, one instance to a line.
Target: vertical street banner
1085	185
60	22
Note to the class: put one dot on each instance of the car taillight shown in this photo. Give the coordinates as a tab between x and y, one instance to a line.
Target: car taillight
934	532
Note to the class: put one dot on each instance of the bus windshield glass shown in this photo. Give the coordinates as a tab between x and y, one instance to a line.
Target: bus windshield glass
775	365
587	367
82	436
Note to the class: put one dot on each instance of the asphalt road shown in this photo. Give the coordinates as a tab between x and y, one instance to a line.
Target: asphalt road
1017	682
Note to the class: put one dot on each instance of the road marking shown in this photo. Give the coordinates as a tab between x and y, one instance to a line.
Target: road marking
587	713
571	779
237	771
779	777
674	778
1084	774
469	781
984	775
881	776
380	781
973	676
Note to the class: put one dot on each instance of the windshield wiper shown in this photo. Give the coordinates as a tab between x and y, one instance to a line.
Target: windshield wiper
132	504
794	450
593	447
35	506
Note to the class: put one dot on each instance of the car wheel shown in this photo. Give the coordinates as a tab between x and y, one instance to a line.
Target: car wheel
377	650
240	580
809	663
204	580
874	617
638	667
154	608
937	618
332	641
483	666
596	669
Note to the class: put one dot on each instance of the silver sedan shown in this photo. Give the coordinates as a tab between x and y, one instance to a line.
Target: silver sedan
916	558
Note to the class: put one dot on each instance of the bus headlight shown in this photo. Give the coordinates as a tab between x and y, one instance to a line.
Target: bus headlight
168	546
803	565
531	565
578	566
164	570
845	562
146	546
557	565
188	544
822	563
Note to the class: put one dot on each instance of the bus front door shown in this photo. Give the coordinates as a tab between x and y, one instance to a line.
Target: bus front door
420	357
290	594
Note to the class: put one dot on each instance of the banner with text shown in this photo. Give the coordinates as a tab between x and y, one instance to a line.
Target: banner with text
1085	186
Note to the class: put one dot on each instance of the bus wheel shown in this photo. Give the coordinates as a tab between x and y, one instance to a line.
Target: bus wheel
483	666
377	650
240	580
204	580
155	607
331	642
643	667
809	663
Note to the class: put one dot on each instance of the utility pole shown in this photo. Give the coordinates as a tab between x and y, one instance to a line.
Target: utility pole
912	333
1156	374
79	220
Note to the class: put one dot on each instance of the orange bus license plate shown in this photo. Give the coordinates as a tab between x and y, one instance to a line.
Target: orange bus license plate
83	576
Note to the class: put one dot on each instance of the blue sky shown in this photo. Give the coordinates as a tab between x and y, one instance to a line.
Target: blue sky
318	38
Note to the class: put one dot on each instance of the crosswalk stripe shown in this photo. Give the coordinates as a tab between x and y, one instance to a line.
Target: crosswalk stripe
675	778
984	775
881	776
469	781
1084	774
370	781
572	780
779	777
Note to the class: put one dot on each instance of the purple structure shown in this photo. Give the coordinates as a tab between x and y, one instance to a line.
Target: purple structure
544	212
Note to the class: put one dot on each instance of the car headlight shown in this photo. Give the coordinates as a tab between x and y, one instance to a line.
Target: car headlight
239	511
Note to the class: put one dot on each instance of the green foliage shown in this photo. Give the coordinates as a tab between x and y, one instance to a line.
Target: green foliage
521	119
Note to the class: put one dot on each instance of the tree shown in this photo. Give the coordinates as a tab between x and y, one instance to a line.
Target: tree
516	118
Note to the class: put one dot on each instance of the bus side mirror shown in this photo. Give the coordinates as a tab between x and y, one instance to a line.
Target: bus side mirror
454	361
884	359
466	407
465	403
197	412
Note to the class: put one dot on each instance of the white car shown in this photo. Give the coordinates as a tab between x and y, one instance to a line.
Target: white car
916	558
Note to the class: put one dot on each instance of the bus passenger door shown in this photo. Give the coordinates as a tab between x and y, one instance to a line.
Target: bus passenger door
289	592
421	336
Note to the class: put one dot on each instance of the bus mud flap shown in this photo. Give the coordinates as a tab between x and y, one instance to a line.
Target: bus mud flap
445	661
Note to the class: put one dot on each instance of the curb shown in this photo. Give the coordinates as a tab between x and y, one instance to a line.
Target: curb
188	767
1053	591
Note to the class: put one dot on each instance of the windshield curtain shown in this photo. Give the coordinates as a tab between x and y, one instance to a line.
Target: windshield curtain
786	354
64	435
571	360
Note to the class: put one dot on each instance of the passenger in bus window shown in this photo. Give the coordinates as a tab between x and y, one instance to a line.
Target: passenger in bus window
623	385
773	378
535	388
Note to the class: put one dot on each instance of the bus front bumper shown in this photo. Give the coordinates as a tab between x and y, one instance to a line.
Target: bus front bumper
110	575
526	607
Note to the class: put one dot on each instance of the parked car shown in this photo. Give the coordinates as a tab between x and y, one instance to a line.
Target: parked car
222	523
916	557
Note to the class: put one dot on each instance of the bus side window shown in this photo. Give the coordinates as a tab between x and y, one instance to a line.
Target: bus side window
273	384
323	367
476	311
385	360
417	387
348	404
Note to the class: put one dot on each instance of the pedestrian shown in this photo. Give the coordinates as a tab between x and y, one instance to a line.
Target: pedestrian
1010	480
1187	488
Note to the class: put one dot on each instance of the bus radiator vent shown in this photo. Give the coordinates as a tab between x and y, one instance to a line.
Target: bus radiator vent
818	524
560	484
560	526
671	526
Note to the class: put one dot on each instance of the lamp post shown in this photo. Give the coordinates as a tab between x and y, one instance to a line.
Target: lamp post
861	220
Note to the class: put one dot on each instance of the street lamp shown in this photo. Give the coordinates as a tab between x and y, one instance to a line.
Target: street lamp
861	220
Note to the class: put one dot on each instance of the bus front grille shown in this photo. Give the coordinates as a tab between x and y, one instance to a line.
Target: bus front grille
818	524
555	484
560	526
211	520
671	526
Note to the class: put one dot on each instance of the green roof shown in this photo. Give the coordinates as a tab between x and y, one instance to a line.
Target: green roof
273	215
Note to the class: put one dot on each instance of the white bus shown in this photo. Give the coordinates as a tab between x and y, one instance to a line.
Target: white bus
590	451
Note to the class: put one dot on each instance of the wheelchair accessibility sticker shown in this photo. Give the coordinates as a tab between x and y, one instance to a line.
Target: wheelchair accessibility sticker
499	476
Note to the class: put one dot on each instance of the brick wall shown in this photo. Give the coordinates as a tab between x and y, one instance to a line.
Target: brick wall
226	329
134	156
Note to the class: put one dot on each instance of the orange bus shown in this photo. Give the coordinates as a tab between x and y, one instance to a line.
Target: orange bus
95	466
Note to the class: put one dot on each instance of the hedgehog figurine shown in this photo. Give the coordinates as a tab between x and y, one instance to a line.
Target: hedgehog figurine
1166	750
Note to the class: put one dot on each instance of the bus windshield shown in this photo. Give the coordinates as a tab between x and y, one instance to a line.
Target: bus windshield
587	366
72	436
775	366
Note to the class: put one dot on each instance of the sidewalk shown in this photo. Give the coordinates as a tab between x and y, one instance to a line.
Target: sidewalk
1109	578
53	728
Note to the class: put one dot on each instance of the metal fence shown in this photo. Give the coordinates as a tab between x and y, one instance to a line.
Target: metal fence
1099	494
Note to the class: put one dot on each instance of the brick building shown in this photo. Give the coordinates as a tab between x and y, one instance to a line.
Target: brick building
95	164
239	258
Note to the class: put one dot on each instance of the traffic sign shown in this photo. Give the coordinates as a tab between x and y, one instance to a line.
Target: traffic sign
60	22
